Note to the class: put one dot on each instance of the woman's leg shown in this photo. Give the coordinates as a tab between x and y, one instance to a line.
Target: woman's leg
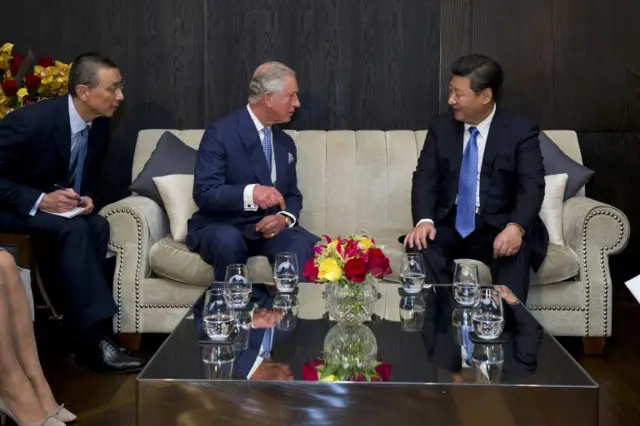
15	388
22	327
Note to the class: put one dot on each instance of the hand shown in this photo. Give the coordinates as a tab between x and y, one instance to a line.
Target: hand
418	235
87	203
506	294
272	370
268	196
59	201
508	242
266	318
271	225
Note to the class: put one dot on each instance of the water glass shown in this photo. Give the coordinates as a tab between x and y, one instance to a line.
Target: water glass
242	330
488	361
285	272
412	272
488	314
238	285
465	283
412	311
218	361
461	321
287	305
217	314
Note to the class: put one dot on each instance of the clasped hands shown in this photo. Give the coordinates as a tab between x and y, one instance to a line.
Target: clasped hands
63	200
507	243
265	197
269	369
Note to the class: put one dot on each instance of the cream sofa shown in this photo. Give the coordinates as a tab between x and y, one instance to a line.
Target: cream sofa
354	182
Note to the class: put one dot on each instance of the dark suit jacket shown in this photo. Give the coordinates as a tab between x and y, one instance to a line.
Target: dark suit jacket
35	149
230	157
511	178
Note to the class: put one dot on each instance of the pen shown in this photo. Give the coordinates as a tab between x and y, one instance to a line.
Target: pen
62	188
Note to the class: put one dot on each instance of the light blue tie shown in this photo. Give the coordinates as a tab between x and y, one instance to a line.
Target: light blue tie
467	187
266	344
267	147
78	154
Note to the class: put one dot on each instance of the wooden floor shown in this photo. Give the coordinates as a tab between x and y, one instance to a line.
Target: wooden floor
108	399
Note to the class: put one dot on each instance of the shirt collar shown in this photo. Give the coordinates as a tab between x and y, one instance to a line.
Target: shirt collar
483	126
256	122
76	122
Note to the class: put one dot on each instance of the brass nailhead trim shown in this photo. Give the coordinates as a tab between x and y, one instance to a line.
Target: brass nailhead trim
164	306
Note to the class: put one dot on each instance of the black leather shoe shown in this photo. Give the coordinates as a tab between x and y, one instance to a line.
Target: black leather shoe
107	356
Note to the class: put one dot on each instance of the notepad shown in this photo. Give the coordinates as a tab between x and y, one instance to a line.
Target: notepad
68	215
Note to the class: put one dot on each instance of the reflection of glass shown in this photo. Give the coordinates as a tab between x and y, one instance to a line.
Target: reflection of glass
217	316
351	345
242	330
461	320
237	282
218	361
285	272
488	317
412	272
465	283
412	310
488	361
287	305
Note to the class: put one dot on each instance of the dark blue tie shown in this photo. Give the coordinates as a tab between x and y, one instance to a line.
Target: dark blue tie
266	344
467	187
267	147
78	154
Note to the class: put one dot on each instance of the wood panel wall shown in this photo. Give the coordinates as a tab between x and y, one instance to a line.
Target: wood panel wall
362	64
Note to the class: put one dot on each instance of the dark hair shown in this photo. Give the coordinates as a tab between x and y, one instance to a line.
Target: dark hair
483	73
84	70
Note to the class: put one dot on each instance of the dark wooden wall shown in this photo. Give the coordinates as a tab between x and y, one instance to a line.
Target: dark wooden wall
379	64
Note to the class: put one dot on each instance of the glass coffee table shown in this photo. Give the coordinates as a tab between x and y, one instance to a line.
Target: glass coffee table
440	374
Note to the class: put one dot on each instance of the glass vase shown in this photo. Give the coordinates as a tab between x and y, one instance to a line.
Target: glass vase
350	301
351	346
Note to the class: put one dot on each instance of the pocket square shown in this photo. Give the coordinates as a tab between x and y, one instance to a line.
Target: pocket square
291	159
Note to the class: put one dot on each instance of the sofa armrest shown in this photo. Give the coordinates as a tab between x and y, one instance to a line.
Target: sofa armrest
595	230
135	223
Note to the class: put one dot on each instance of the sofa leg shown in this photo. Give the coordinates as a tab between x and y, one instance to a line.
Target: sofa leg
131	341
593	345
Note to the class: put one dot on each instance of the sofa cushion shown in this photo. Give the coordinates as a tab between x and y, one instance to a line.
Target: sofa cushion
556	162
171	157
551	209
560	264
177	195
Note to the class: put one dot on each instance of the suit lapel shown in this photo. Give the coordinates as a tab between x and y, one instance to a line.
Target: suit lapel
456	148
496	134
281	159
251	140
62	138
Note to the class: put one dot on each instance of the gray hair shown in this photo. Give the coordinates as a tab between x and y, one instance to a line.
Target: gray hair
268	77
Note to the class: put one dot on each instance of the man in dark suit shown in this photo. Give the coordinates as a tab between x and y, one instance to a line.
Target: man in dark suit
50	158
245	182
479	184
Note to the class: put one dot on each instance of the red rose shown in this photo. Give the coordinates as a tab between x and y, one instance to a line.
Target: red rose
310	372
355	270
10	88
378	263
310	271
46	61
32	82
16	62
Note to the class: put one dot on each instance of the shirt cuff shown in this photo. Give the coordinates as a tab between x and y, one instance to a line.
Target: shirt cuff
290	216
425	220
256	364
34	209
247	196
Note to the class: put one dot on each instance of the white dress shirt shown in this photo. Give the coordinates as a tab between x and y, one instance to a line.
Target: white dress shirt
483	134
249	205
259	359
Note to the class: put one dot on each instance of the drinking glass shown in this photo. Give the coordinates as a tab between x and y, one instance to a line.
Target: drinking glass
488	361
412	272
412	310
465	283
218	361
238	284
285	272
287	305
217	314
488	315
242	330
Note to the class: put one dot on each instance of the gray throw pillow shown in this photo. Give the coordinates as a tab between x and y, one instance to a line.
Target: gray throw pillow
556	162
171	157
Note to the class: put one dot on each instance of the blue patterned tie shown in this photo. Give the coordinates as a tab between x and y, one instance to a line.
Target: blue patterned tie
266	344
78	154
267	148
467	187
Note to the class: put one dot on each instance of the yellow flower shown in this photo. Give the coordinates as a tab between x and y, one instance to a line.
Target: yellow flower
6	49
365	243
22	92
333	244
329	270
330	378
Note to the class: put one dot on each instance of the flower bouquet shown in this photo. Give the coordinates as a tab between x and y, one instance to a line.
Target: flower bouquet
320	371
349	266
